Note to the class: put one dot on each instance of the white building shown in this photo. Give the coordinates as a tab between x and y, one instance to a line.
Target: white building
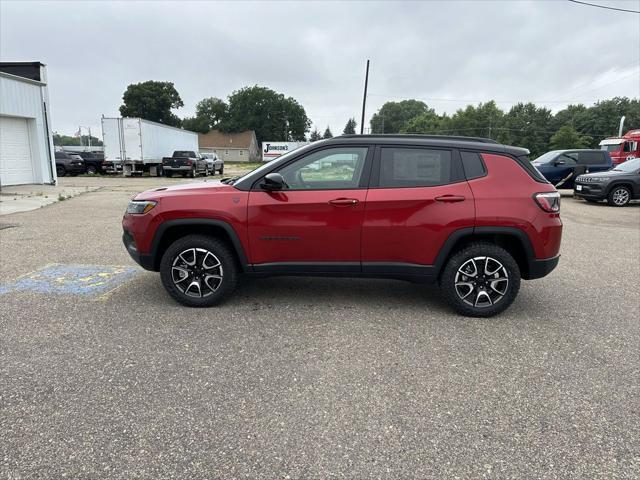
26	144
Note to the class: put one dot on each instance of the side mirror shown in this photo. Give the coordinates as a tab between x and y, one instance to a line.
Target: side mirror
273	181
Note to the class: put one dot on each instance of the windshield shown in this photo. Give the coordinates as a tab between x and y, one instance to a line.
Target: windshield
610	148
628	166
547	157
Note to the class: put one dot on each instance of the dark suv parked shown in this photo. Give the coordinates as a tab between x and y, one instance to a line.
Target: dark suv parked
69	164
468	213
618	186
561	167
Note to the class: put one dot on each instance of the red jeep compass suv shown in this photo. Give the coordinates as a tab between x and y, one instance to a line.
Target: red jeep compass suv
469	213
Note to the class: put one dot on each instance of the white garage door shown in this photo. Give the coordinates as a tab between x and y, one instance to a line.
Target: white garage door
16	166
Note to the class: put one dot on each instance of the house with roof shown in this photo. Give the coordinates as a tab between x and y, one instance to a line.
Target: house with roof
231	147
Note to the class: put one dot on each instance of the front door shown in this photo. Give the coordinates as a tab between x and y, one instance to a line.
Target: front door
315	222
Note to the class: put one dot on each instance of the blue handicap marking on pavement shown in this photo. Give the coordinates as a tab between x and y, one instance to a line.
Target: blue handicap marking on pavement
72	279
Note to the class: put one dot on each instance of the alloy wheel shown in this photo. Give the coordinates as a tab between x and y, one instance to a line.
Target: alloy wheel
620	196
481	281
197	272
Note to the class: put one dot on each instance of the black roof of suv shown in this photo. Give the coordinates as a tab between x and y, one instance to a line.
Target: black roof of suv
468	143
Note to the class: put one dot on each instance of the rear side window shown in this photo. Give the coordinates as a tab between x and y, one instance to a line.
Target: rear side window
416	167
472	164
591	158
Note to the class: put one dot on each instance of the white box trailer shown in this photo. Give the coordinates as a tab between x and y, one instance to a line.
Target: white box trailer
134	145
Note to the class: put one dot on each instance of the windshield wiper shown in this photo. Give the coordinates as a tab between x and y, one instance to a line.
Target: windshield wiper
230	180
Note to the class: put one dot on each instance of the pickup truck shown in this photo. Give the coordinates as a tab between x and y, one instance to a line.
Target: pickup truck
215	164
185	162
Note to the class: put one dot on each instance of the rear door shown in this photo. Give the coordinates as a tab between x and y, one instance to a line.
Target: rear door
594	161
417	198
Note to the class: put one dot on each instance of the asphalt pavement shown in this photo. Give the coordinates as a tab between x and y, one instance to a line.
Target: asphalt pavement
103	376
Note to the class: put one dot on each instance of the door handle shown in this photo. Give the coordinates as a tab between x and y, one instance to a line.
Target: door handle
343	202
450	198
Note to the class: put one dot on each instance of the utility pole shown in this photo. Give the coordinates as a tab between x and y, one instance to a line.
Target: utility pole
364	98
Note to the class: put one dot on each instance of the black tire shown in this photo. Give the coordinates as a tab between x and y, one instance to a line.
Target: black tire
619	196
216	290
500	296
192	173
206	172
92	170
60	171
168	174
221	170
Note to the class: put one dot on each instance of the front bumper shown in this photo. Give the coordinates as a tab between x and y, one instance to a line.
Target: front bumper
590	190
144	260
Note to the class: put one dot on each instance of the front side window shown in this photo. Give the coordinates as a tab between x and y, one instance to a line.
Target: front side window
329	169
415	167
568	158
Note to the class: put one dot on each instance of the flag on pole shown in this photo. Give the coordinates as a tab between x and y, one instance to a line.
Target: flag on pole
78	133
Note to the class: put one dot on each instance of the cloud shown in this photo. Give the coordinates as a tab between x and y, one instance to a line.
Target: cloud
446	53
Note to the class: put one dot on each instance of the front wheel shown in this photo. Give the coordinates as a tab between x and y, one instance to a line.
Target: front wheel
92	169
481	280
619	196
221	170
192	174
199	271
60	171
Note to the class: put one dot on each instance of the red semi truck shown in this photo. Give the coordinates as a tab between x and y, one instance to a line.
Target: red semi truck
622	148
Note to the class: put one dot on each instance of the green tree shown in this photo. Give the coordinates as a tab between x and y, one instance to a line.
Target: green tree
567	137
350	127
270	114
427	122
392	116
315	135
69	141
327	133
528	126
153	101
196	124
485	120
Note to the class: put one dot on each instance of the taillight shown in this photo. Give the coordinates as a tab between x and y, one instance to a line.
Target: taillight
189	162
548	201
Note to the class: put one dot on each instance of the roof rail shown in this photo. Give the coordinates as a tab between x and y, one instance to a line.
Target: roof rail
425	136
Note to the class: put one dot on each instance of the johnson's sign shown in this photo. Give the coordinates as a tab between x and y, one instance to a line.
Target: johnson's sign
271	150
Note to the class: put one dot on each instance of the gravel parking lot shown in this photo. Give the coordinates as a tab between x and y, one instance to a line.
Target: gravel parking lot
314	378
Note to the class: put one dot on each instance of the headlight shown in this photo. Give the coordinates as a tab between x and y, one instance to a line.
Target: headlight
140	206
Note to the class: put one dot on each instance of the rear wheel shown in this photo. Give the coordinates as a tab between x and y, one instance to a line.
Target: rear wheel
199	271
619	196
481	280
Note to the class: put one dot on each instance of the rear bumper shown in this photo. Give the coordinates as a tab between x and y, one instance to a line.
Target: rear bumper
181	168
145	261
541	268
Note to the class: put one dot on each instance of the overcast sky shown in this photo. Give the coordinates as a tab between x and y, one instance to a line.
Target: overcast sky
448	54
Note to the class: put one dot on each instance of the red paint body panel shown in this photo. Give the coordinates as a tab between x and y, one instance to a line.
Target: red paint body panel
504	198
302	226
409	225
194	200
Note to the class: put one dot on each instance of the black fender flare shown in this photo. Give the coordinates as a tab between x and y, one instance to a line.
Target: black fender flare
229	230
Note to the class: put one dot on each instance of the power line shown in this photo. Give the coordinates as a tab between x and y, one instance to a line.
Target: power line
604	6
